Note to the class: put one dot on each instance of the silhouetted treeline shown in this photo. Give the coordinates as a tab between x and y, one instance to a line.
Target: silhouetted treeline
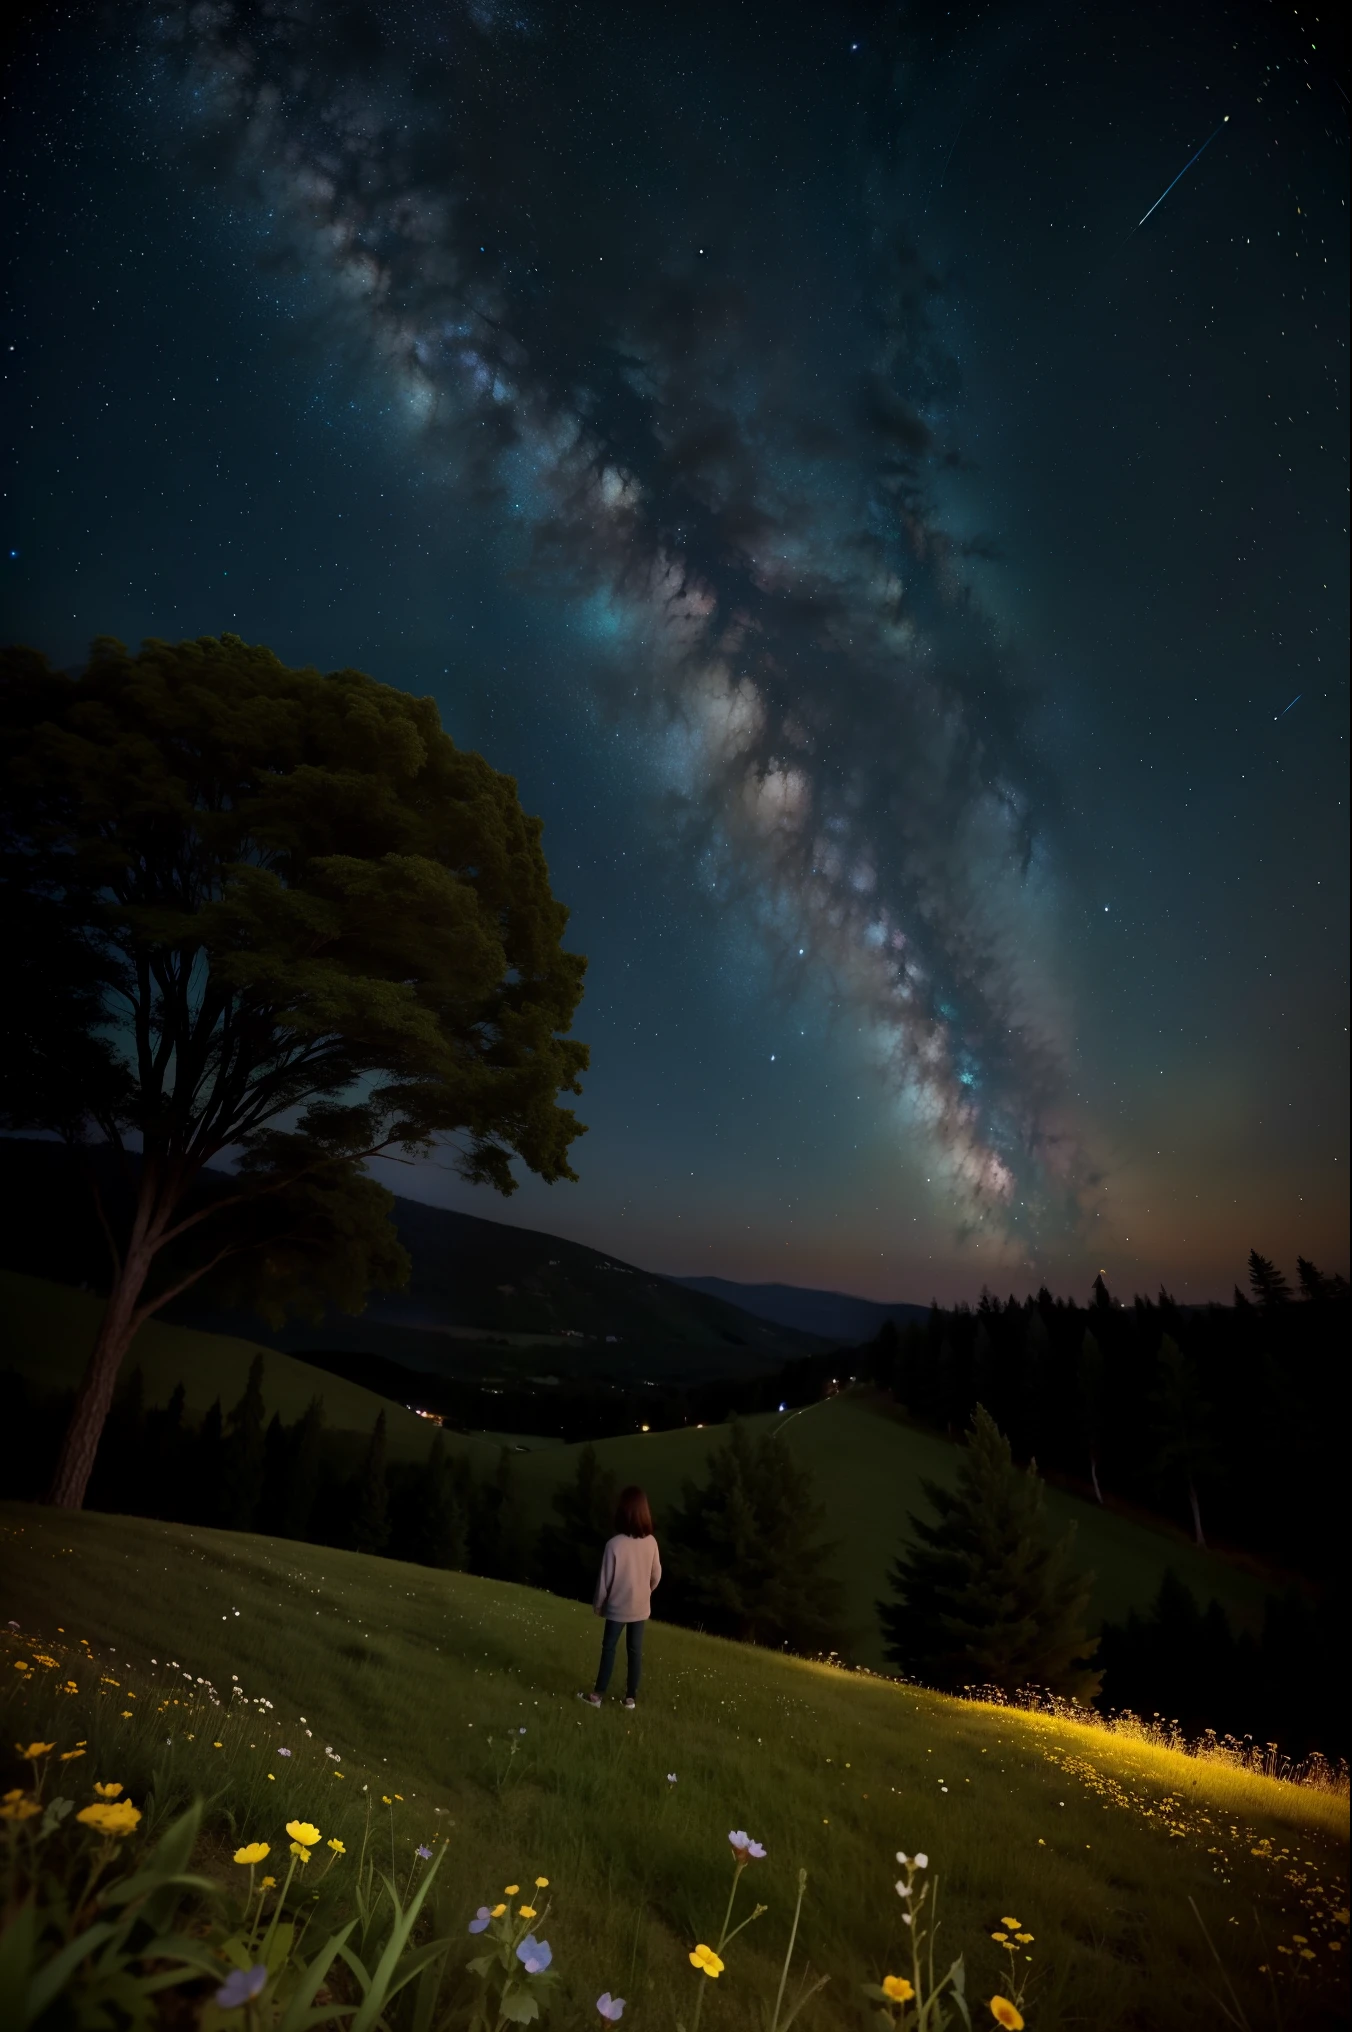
1230	1420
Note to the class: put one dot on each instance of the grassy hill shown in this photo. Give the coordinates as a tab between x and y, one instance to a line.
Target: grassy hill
455	1698
868	1464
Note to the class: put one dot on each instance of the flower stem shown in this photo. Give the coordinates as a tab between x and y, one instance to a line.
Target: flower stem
788	1957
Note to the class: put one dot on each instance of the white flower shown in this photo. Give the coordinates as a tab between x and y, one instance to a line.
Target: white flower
903	1889
671	1777
921	1862
902	1858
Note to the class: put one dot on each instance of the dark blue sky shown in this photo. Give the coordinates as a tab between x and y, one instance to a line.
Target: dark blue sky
885	570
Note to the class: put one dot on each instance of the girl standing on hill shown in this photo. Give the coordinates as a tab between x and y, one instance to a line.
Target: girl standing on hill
630	1570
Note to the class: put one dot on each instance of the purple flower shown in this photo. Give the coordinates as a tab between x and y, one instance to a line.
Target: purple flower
241	1986
534	1955
284	1753
611	2008
743	1847
424	1852
480	1919
671	1777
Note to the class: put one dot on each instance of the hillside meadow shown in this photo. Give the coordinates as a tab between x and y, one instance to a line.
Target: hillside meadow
456	1698
868	1463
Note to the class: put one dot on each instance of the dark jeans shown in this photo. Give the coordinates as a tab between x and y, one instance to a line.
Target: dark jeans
610	1644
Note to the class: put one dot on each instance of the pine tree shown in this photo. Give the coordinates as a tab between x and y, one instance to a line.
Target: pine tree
1183	1426
1089	1394
745	1550
369	1524
302	1488
427	1511
242	1459
567	1554
1266	1281
985	1596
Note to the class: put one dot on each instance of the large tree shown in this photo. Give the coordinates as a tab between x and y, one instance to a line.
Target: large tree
985	1596
278	920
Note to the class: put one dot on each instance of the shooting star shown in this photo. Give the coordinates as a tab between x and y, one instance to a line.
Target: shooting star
1178	179
1286	709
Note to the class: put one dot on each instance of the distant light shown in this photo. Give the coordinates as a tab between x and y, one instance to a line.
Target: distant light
783	1407
643	1428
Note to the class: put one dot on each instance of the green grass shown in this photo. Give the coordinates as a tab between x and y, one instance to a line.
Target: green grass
868	1467
421	1680
868	1464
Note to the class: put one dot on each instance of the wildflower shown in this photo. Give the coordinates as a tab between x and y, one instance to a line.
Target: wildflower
526	1911
542	1883
284	1753
108	1791
34	1749
671	1777
304	1832
41	1658
218	1746
268	1884
498	1911
339	1848
253	1852
898	1989
1003	1938
480	1919
68	1756
1007	2014
1023	1939
743	1846
300	1852
1010	1923
116	1821
705	1958
510	1890
534	1955
241	1986
16	1807
426	1854
385	1799
611	2008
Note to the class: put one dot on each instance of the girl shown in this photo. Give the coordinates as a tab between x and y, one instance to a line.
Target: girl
630	1570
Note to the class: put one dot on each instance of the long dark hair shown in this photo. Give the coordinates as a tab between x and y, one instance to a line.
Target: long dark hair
632	1514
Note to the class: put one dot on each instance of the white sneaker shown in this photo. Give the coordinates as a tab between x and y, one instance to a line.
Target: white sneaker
592	1699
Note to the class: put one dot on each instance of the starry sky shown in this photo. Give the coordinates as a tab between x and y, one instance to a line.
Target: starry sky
912	591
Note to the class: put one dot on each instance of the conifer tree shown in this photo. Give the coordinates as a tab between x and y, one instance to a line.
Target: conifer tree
1184	1442
746	1550
985	1596
1089	1392
1266	1281
302	1487
369	1525
242	1460
568	1554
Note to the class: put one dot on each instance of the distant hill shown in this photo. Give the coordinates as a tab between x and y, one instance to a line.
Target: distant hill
833	1315
484	1299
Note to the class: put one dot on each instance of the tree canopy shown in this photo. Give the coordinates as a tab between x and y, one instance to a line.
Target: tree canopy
276	917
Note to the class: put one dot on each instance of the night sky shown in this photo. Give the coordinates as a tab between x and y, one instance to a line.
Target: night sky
768	434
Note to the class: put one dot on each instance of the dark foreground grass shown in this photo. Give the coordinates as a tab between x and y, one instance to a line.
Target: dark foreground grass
460	1695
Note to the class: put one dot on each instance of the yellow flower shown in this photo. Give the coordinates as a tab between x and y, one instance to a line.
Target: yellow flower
22	1665
339	1848
385	1799
109	1791
218	1746
268	1884
253	1852
1023	1938
117	1820
542	1883
34	1749
898	1989
526	1912
300	1852
19	1809
1007	1921
69	1756
41	1658
304	1832
498	1911
705	1958
1007	2014
1003	1938
511	1889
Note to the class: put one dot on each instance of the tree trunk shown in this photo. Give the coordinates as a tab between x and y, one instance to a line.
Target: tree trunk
1196	1514
1093	1476
117	1328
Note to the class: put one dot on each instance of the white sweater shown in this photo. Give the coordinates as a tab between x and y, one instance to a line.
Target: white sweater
630	1570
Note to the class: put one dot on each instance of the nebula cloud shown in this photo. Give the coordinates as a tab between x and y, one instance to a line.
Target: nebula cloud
716	433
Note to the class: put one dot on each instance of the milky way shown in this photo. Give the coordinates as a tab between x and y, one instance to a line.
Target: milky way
615	325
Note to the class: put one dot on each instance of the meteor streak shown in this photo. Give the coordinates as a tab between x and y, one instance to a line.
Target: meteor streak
1178	179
